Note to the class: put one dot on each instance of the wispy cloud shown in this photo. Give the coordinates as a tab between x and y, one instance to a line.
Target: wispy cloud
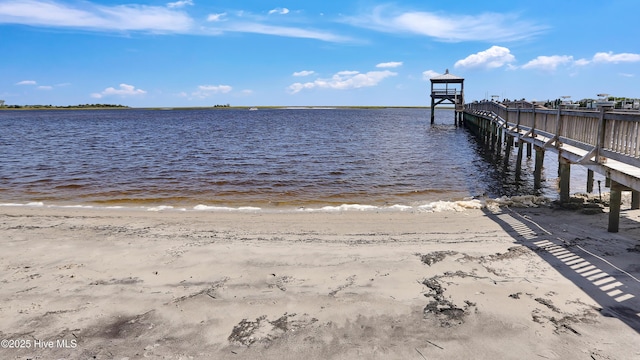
304	73
428	74
548	63
610	57
179	4
205	91
215	88
448	27
169	19
581	62
285	31
85	15
280	11
344	80
552	62
41	87
216	17
494	57
123	90
392	64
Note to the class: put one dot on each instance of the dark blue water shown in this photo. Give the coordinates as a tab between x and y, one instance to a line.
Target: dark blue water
265	158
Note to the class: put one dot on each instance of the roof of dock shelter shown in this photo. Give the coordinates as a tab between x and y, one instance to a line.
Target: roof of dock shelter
446	77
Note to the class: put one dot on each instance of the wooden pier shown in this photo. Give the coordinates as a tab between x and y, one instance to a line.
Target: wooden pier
604	141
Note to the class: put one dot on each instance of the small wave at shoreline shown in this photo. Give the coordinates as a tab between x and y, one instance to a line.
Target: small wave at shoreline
435	206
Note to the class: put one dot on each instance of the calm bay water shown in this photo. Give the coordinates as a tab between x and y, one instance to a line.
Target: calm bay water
266	158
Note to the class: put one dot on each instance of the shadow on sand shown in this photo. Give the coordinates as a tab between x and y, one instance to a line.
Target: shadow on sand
605	266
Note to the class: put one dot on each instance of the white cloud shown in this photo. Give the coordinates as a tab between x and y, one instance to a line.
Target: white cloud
45	87
172	19
448	27
85	15
180	3
494	57
26	82
581	62
347	73
392	64
428	74
215	88
247	92
548	63
209	90
216	17
123	90
304	73
280	11
344	80
610	57
627	75
258	28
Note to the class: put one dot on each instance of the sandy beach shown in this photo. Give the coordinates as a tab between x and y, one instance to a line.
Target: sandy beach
513	283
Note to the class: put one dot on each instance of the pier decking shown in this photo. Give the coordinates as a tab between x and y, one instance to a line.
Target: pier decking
604	141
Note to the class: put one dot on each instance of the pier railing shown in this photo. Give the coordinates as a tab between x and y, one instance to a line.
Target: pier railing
602	133
604	141
446	92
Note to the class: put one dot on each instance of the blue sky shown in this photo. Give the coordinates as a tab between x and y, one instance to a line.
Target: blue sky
251	53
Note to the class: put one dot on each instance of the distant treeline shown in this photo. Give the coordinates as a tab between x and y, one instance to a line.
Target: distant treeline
81	106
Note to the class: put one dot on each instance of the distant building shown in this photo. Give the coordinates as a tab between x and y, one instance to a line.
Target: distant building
1	103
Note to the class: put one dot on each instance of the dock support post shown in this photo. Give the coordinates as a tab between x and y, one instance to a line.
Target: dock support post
537	172
565	176
433	105
529	150
635	200
589	181
614	207
507	150
495	138
519	160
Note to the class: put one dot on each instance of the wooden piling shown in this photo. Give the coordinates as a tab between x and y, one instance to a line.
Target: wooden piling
565	176
507	150
635	200
589	181
537	172
519	160
614	207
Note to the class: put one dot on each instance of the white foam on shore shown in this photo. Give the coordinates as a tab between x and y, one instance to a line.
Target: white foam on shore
343	207
160	208
517	201
225	208
436	206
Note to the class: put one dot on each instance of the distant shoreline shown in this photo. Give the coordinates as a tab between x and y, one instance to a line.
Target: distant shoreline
284	107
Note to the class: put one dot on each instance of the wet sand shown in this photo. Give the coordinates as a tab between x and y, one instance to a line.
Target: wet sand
526	283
